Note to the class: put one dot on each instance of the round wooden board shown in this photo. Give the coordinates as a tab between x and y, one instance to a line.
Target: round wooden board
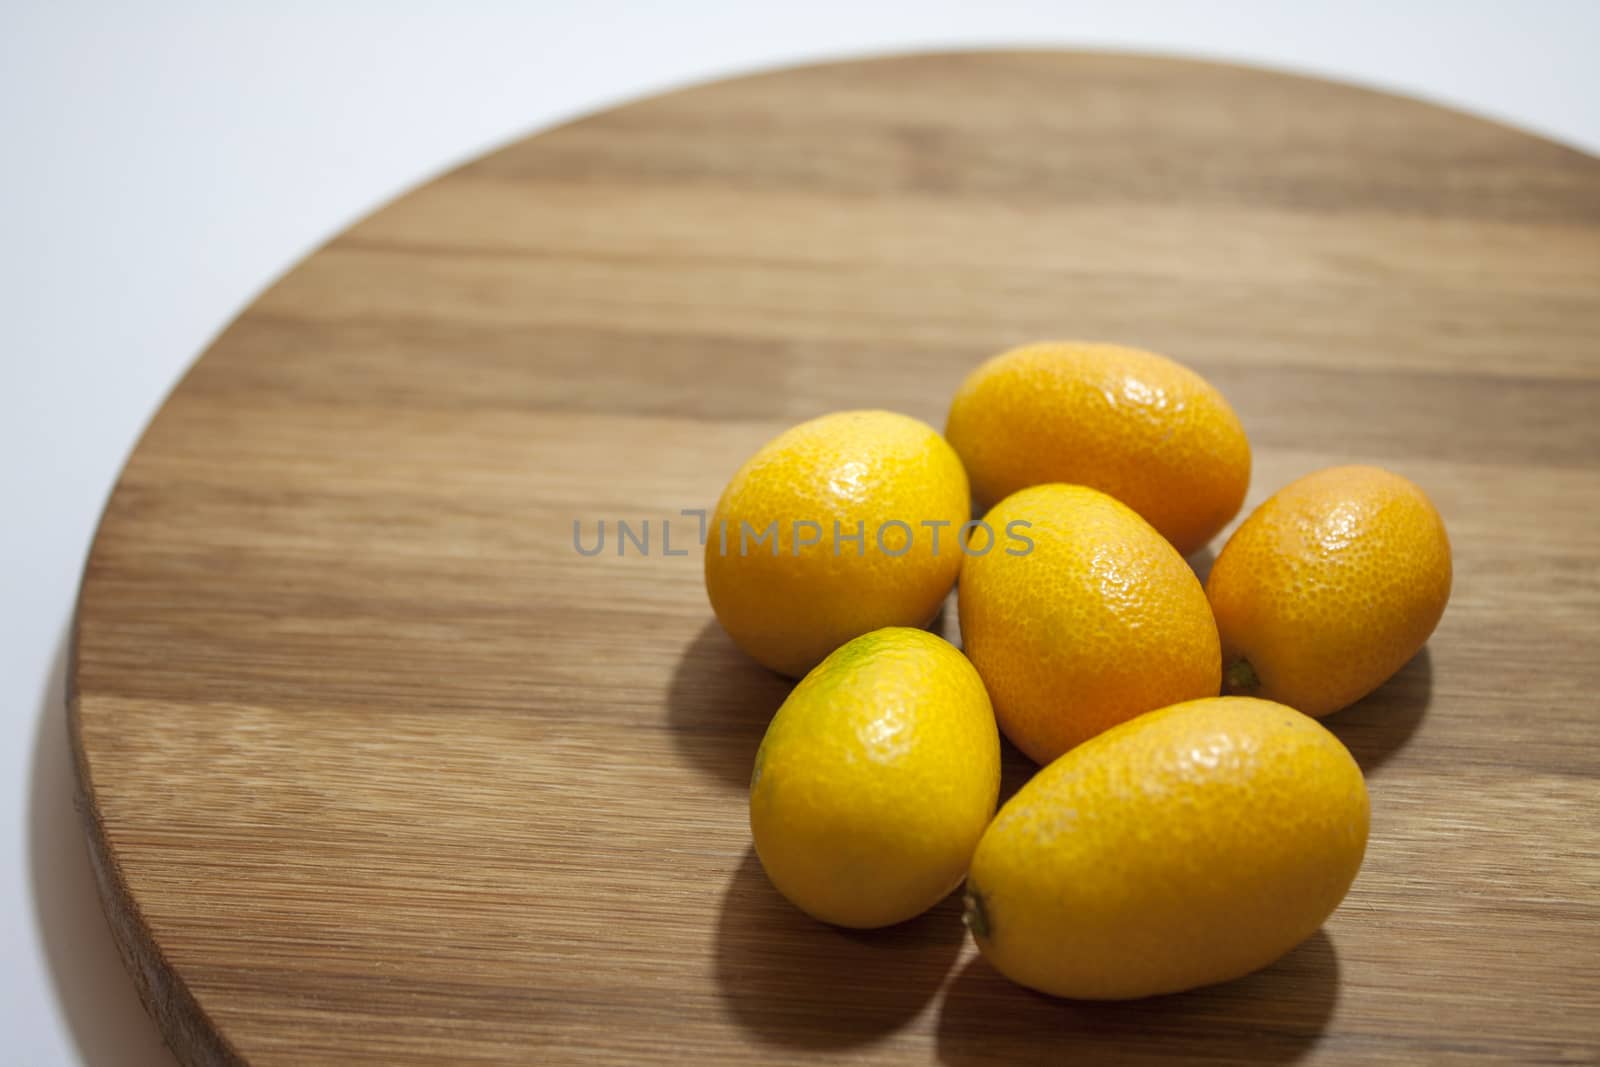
377	769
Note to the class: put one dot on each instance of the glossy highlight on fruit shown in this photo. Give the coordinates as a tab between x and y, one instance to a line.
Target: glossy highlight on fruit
1101	620
875	780
1329	587
1137	425
836	527
1192	845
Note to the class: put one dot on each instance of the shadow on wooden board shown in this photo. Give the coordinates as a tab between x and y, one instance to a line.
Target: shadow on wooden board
793	981
1272	1016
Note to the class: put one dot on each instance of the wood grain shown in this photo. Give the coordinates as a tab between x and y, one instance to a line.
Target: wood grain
377	770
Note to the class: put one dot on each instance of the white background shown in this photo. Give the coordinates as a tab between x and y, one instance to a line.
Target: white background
161	162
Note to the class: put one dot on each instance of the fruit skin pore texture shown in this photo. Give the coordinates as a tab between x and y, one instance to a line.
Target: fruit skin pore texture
1101	621
1329	587
876	779
1189	846
790	609
1134	424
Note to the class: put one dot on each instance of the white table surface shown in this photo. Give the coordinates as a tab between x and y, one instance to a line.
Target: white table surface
163	162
